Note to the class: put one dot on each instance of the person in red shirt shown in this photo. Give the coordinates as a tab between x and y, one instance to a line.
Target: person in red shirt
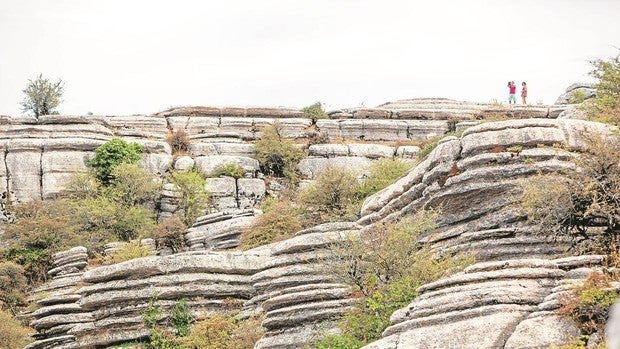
513	91
523	92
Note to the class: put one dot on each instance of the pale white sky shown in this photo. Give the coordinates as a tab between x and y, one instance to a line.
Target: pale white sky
126	57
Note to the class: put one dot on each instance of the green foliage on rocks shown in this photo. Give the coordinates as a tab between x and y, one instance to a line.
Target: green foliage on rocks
111	154
194	198
12	334
385	265
571	203
170	233
315	112
329	197
279	223
42	96
12	286
605	106
129	251
276	155
383	172
228	169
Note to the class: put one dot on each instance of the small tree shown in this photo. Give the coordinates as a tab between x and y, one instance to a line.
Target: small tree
605	106
111	154
315	112
194	197
42	96
330	196
277	156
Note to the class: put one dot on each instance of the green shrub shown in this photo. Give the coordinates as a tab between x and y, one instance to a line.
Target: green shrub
385	265
223	331
129	251
228	169
329	197
605	106
171	233
279	223
576	97
179	141
181	318
589	304
13	283
569	203
515	149
82	186
315	112
151	315
277	156
382	173
131	185
194	197
111	154
12	334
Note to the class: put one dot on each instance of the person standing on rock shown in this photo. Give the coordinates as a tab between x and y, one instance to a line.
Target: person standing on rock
513	91
523	92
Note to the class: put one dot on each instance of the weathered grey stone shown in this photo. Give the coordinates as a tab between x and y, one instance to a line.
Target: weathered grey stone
407	151
250	192
208	164
221	186
328	150
543	332
184	163
310	167
612	330
371	151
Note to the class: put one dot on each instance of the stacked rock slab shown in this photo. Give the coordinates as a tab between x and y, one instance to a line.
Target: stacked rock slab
220	230
59	311
107	308
297	291
474	182
491	305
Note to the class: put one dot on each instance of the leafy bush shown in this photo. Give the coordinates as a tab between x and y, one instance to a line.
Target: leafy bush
194	197
576	97
223	331
228	169
277	224
605	106
589	304
42	96
277	156
13	283
181	318
170	233
12	334
151	315
382	173
179	141
38	230
569	203
111	154
330	196
385	264
129	251
131	185
315	112
82	186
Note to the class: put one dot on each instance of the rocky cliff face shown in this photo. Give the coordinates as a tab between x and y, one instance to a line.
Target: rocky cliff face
505	300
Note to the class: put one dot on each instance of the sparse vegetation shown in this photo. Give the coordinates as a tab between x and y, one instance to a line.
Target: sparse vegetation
129	251
228	169
12	286
277	156
385	266
12	334
383	172
329	197
570	203
179	141
605	106
42	96
589	305
194	197
170	233
576	97
277	224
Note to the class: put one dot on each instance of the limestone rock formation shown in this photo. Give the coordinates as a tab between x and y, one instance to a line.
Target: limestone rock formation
579	91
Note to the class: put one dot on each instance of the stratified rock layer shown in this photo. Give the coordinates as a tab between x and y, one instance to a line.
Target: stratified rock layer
506	299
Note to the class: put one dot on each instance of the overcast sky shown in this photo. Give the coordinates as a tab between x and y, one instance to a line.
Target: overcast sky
129	57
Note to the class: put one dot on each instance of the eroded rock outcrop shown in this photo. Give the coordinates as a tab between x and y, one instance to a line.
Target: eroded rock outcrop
474	180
